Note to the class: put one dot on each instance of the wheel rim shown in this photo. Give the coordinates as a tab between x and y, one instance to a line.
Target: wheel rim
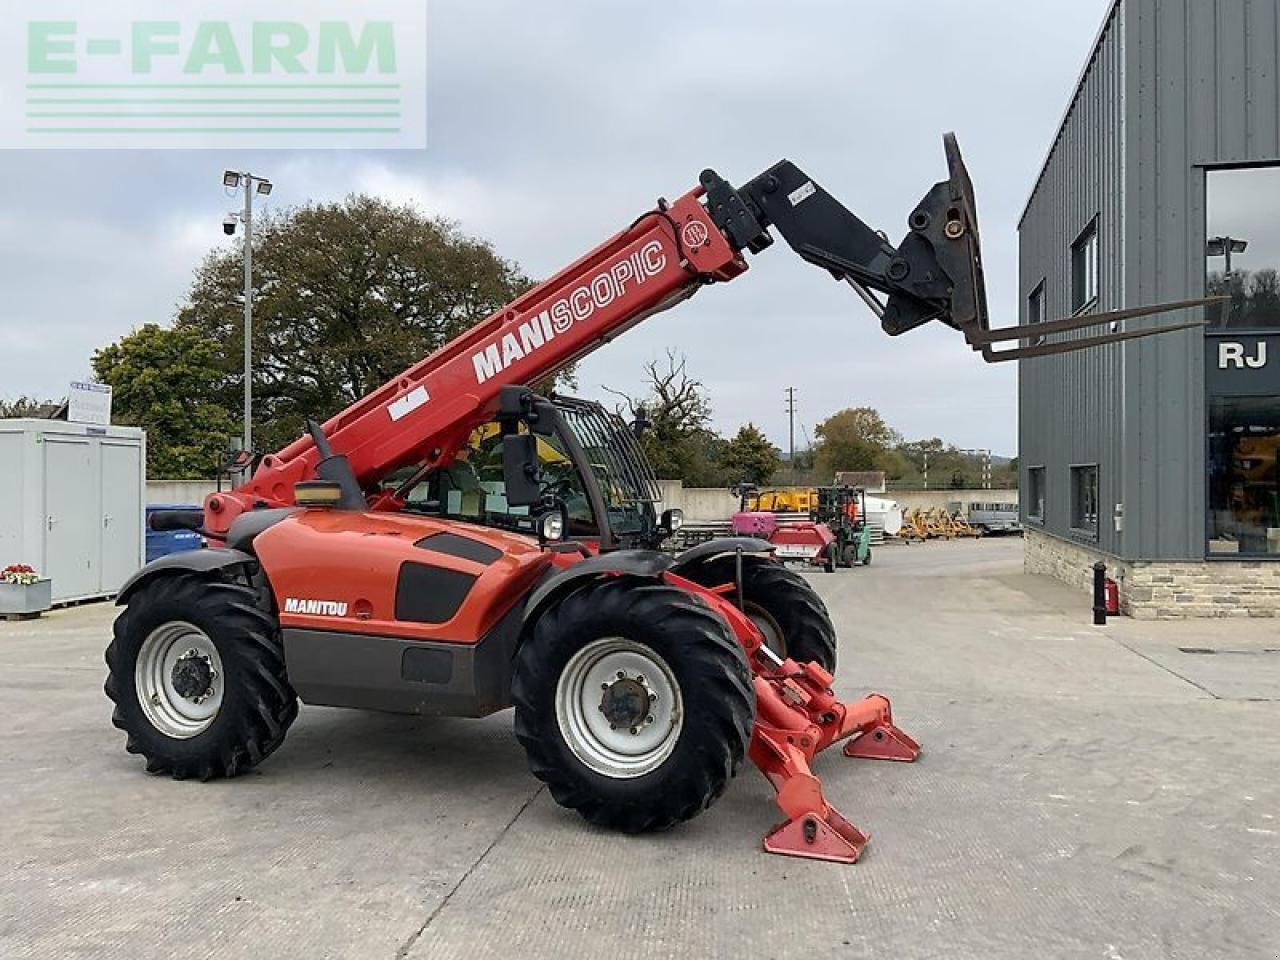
619	707
769	629
179	679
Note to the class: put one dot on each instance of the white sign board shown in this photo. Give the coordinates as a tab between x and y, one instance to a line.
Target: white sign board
89	403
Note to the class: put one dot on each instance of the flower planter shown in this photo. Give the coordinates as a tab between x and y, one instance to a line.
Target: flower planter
19	601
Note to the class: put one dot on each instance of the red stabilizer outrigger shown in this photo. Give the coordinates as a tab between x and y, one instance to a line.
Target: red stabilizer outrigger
797	717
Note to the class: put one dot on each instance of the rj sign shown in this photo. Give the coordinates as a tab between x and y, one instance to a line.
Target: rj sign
202	74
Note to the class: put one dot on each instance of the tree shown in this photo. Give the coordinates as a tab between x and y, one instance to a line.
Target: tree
749	456
170	383
679	441
346	296
854	439
27	407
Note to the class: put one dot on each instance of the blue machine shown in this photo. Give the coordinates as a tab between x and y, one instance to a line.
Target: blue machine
163	542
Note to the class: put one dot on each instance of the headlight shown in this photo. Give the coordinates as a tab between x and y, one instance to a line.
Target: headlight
551	526
676	520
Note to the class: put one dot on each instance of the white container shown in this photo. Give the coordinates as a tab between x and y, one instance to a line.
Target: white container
72	504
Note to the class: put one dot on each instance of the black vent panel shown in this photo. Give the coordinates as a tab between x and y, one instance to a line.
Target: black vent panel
426	594
452	545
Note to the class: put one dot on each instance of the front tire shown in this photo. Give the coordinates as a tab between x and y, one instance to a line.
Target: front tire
782	605
634	704
197	675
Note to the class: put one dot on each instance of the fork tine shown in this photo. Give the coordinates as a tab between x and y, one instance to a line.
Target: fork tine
1070	346
984	337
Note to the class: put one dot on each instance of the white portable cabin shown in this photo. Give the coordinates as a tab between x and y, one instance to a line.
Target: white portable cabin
71	503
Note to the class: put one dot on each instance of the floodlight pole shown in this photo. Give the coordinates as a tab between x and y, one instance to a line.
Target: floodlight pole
247	217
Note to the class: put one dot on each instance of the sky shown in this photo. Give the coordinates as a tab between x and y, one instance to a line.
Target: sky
552	125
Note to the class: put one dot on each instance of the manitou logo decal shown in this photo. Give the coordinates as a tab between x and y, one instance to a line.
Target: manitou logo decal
318	608
577	307
1233	355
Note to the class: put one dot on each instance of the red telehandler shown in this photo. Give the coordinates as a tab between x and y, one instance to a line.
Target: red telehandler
454	544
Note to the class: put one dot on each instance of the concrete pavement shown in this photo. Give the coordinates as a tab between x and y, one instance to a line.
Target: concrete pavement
1085	792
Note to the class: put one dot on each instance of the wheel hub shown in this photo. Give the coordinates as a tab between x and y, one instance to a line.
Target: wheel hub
618	707
193	676
625	702
177	678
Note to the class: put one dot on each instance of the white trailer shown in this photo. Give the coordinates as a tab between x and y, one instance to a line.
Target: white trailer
72	503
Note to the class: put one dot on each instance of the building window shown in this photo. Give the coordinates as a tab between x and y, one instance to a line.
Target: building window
1244	482
1035	493
1084	269
1084	499
1035	311
1242	249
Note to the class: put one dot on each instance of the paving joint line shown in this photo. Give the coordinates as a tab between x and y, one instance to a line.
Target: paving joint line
1168	670
410	943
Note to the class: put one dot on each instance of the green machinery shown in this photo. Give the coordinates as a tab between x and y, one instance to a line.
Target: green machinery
844	510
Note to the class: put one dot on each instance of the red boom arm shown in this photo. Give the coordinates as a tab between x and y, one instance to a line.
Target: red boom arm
428	411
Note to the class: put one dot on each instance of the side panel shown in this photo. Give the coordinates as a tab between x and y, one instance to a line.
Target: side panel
396	675
379	574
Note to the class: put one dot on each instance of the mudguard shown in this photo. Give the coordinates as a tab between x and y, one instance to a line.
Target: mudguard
695	556
188	561
644	564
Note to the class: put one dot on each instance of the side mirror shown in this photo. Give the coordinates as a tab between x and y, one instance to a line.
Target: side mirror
520	469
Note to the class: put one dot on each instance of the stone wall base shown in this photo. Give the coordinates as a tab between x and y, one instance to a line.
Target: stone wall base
1163	589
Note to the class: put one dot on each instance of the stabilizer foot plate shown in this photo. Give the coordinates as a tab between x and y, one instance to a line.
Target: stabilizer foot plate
884	741
833	839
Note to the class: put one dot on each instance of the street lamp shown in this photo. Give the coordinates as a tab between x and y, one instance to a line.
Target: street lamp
233	179
1225	247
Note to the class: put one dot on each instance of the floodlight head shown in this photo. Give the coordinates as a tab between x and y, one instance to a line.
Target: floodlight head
1216	247
1239	246
230	178
264	187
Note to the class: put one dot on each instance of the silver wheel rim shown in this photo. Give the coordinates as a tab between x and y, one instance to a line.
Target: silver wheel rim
609	679
768	629
178	646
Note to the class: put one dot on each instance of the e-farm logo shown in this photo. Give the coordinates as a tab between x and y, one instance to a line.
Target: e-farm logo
273	74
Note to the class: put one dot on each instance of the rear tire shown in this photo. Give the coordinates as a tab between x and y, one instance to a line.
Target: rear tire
781	603
215	699
624	647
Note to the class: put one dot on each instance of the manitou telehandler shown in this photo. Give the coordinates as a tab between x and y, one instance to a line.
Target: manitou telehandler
454	544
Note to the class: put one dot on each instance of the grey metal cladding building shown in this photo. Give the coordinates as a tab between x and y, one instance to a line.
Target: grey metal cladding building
1165	167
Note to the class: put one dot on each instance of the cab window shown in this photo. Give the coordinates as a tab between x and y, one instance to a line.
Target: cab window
471	488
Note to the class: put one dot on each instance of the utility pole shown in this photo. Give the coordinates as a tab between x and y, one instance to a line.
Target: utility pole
791	423
926	469
252	184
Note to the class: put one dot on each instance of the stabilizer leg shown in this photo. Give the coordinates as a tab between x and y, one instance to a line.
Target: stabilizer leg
813	829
